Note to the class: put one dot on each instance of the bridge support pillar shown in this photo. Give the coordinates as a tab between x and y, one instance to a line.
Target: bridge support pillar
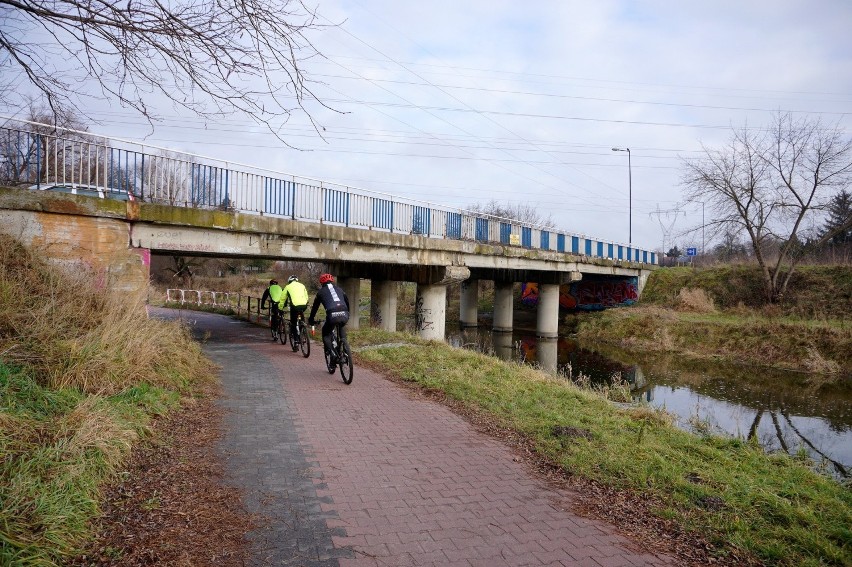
352	288
383	304
431	311
547	325
503	306
469	303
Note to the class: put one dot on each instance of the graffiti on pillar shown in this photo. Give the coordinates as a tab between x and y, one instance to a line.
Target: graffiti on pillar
422	316
375	314
592	293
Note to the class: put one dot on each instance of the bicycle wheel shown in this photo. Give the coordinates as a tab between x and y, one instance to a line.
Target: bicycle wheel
305	339
282	331
294	339
329	366
345	362
332	368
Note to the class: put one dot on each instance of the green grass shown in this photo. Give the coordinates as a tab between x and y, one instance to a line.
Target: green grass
782	343
81	376
774	506
814	292
58	447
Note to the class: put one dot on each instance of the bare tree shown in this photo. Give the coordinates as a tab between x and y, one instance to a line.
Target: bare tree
767	184
524	214
213	58
23	155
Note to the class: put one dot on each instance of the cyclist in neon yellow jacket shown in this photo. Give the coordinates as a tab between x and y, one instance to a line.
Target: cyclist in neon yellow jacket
273	293
297	295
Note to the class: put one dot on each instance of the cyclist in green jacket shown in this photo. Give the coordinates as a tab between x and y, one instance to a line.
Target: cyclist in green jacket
297	295
273	293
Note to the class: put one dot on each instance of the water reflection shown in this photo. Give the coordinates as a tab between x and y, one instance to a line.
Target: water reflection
782	411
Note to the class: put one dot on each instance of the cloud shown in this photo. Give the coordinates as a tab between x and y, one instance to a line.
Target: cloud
462	102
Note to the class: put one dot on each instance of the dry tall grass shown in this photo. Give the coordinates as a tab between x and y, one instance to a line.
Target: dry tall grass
74	333
696	300
67	343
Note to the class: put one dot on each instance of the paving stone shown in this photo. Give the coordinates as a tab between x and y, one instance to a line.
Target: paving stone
368	475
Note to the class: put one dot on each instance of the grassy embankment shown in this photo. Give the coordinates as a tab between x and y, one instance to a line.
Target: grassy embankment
717	313
744	501
82	373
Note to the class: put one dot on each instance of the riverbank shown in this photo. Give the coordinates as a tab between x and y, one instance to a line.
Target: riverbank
749	506
716	313
818	347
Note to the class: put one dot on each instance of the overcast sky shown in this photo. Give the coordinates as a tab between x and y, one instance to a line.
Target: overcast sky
460	102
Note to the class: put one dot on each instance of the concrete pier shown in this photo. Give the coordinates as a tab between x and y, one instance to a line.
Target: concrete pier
383	304
352	288
547	325
430	311
503	307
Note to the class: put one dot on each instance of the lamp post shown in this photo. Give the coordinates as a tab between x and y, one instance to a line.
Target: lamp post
630	194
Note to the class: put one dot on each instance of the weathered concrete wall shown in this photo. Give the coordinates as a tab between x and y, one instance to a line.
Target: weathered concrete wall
100	245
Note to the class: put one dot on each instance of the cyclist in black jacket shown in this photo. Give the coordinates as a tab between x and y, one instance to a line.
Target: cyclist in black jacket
336	306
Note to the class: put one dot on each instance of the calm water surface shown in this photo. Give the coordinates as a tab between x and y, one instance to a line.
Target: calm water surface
783	411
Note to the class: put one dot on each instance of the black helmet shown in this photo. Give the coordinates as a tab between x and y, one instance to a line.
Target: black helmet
273	282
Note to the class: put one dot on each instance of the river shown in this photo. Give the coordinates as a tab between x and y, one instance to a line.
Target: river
783	411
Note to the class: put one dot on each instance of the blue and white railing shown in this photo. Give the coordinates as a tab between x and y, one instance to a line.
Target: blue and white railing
36	154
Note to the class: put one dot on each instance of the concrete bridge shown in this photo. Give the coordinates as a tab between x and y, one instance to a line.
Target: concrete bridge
116	238
160	202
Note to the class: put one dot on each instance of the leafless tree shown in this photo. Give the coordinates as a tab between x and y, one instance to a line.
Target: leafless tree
524	214
23	155
769	184
213	58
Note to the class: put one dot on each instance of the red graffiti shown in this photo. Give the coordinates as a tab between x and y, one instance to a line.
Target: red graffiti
587	293
606	293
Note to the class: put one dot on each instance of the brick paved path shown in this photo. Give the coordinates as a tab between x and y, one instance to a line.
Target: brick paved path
367	475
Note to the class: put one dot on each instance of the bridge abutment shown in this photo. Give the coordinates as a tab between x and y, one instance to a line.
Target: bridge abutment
99	245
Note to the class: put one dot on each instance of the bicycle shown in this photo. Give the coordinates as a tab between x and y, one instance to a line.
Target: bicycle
279	331
302	339
344	355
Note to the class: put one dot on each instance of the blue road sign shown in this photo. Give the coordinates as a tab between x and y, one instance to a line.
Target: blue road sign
692	252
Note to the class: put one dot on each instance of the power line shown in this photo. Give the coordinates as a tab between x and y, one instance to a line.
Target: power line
759	93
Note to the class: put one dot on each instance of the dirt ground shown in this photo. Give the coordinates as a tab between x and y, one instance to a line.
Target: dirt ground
172	506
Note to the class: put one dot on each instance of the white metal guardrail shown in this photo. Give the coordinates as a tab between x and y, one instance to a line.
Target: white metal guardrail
201	297
245	306
36	154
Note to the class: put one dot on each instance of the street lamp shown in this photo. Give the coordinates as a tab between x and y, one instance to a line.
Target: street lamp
630	194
